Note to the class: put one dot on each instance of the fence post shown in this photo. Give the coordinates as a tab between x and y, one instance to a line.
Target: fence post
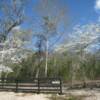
16	85
60	86
38	85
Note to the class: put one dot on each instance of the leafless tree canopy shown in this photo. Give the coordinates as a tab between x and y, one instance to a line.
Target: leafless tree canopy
11	15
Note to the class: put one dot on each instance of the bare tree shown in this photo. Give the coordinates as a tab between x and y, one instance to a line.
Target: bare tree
52	15
11	15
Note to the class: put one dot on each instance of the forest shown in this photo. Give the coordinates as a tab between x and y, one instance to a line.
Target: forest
35	42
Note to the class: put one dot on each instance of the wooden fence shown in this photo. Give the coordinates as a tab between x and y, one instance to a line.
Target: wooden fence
36	85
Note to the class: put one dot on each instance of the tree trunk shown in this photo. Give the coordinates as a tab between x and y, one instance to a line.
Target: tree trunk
37	73
46	59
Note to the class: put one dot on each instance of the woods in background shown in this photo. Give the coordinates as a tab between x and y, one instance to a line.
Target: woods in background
37	44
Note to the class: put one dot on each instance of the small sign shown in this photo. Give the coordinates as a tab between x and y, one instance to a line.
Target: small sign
55	82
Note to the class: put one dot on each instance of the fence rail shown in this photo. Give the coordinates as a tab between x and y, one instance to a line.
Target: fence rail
37	85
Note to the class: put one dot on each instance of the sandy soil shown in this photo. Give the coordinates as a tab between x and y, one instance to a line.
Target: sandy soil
87	94
22	96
